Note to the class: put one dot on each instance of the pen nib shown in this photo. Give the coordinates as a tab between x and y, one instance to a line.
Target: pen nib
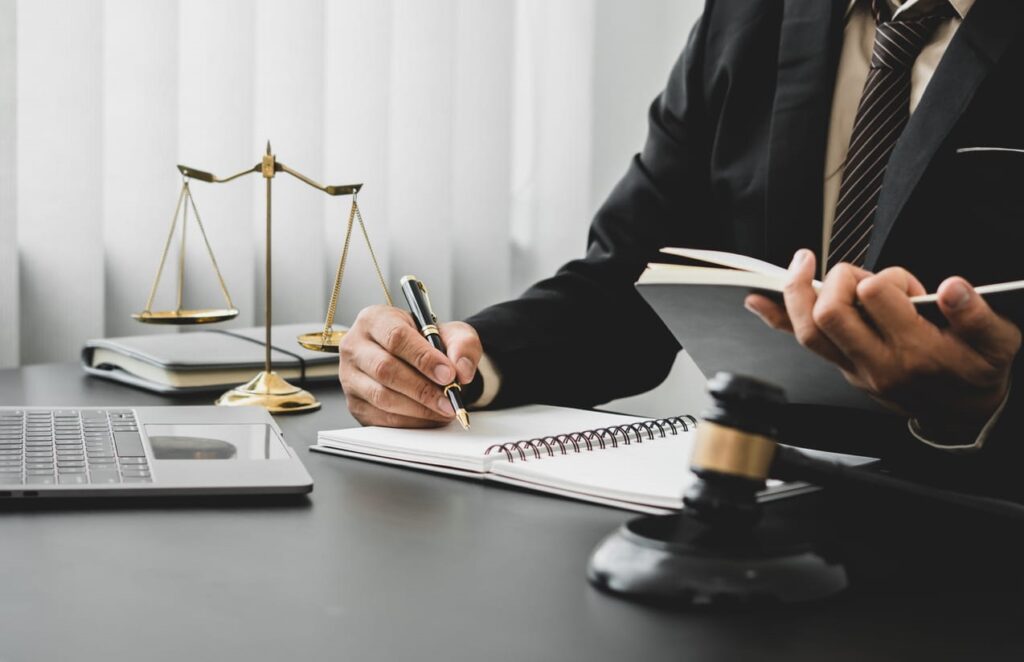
463	418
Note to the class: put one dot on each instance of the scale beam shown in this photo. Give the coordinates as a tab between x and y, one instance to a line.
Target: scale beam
329	189
211	178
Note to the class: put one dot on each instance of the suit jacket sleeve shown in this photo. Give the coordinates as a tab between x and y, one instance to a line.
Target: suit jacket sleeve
584	336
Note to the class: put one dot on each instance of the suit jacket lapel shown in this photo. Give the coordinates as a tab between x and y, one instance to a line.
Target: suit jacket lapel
809	45
987	30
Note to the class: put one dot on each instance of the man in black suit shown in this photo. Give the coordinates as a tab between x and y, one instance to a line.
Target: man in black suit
804	132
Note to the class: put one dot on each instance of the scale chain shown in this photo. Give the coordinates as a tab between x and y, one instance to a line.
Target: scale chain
209	250
167	247
380	275
333	305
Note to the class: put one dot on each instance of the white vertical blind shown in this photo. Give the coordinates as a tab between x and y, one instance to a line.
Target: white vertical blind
357	135
420	146
289	110
59	173
481	167
486	133
552	128
140	147
9	299
216	74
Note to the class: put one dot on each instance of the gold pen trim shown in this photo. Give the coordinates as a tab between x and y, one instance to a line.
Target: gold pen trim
430	329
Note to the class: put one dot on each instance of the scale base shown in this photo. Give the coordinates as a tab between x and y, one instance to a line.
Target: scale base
677	561
270	391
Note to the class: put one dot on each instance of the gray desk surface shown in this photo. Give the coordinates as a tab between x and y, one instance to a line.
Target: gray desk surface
389	564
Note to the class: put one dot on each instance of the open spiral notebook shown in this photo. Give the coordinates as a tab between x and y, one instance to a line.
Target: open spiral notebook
621	461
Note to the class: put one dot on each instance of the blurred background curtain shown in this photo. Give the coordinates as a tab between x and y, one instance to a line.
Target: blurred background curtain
486	132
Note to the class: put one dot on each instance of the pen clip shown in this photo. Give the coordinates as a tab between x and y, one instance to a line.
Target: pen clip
426	297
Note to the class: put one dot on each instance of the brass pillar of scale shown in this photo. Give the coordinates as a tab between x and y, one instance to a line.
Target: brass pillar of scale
266	389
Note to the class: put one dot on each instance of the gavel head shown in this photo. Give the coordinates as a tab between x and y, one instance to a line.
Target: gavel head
733	451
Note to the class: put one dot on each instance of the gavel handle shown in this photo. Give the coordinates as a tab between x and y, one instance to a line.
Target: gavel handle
790	464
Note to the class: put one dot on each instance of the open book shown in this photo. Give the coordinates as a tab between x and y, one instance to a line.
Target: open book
703	308
621	461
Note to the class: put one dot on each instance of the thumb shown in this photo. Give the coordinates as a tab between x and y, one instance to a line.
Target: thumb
464	348
973	321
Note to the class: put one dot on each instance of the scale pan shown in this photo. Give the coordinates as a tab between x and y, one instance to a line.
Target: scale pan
197	316
317	342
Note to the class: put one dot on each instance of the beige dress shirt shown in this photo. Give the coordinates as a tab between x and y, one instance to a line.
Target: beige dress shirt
852	73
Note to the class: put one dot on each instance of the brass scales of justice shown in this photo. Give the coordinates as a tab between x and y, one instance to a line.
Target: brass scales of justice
267	389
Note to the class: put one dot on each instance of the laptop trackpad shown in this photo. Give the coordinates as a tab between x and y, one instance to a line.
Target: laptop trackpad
215	442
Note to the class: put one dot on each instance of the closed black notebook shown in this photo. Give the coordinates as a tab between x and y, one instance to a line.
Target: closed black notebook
207	359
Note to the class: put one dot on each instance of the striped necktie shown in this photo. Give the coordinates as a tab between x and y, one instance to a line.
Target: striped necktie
881	115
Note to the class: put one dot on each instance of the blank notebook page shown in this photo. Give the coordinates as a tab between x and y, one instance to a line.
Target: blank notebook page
464	449
655	472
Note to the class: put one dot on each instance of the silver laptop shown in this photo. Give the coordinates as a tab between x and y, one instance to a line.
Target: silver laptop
115	451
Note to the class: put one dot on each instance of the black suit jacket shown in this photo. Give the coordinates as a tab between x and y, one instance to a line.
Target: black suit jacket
734	161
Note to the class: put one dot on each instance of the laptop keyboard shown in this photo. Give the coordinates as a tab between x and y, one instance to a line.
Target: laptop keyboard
71	447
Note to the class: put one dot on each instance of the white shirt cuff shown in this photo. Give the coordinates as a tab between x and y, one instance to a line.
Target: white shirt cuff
492	381
979	441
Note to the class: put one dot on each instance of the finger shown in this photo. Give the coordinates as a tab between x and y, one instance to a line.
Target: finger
885	297
770	312
367	414
397	334
368	389
391	373
859	272
464	349
800	297
973	321
836	316
905	280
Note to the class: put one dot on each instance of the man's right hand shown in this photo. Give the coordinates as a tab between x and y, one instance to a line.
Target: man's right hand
393	376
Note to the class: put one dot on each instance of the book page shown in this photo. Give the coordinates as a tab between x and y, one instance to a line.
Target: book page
653	473
731	260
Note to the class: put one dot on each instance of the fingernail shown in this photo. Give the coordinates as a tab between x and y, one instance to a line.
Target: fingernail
445	406
798	258
958	295
443	374
465	366
749	306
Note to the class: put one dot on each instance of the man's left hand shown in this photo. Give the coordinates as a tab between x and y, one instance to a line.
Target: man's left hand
951	379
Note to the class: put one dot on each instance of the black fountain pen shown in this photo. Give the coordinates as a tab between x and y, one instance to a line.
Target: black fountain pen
419	304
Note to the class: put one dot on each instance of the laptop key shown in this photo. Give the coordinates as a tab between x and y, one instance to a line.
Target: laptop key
104	476
129	444
138	479
72	479
10	479
132	460
46	479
